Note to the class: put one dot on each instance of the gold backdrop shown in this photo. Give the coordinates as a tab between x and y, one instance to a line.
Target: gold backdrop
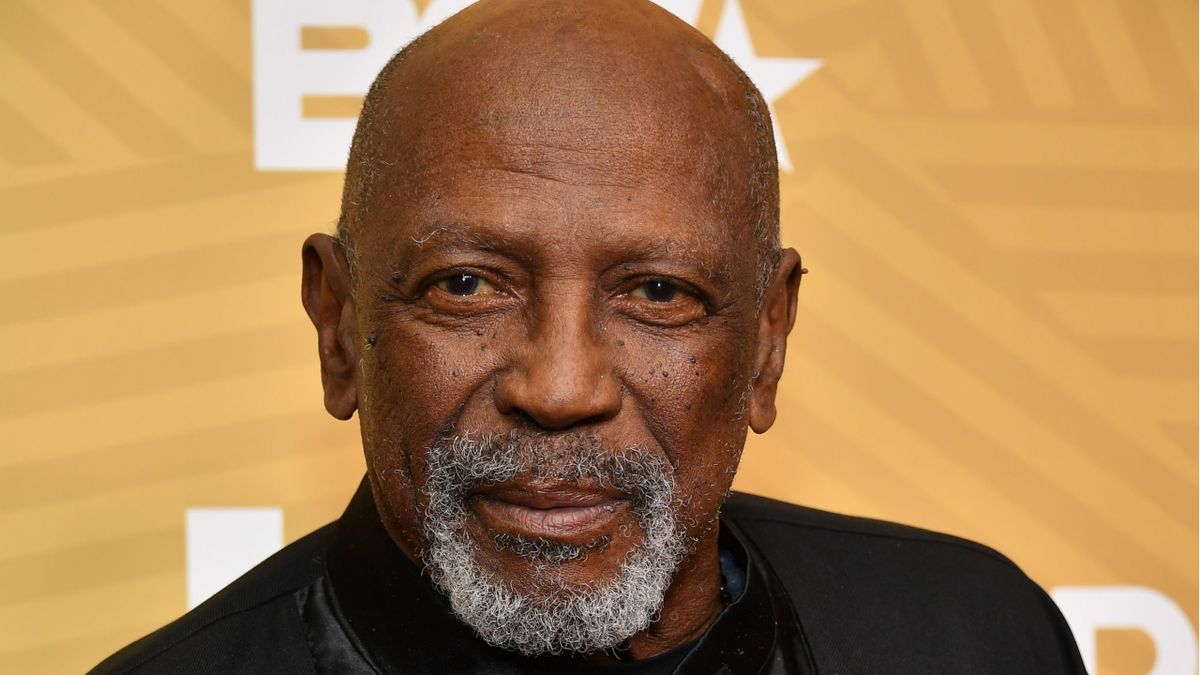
997	200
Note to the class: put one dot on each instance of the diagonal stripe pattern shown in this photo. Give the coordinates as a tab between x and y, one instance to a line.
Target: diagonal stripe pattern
997	199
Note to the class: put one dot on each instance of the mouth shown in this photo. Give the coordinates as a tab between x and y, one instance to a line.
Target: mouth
561	512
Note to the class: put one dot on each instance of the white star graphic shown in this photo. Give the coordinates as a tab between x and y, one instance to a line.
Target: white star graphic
687	10
774	77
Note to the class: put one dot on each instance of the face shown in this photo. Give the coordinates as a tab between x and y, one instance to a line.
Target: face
553	328
606	303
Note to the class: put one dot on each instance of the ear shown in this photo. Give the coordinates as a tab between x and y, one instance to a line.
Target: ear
775	321
325	291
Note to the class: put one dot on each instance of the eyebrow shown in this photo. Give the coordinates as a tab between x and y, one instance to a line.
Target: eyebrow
441	234
492	237
439	229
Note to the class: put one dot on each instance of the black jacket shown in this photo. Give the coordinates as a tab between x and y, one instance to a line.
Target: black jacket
823	593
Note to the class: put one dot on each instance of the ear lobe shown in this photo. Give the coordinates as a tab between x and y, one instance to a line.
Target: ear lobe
762	413
775	321
325	292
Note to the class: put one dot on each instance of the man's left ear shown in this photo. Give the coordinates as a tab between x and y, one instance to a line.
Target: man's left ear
775	320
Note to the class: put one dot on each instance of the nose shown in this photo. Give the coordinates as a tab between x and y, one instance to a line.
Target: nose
562	376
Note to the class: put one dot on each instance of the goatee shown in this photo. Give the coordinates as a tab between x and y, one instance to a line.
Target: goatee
551	615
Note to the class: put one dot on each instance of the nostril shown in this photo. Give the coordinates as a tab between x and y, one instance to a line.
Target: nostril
524	419
556	403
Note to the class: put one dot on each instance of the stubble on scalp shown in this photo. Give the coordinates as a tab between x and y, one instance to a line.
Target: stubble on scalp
550	615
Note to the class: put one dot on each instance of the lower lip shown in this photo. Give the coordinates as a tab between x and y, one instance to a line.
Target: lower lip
554	522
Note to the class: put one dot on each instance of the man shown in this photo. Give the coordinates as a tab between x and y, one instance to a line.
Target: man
557	301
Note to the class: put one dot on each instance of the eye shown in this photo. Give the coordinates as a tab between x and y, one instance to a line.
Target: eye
656	290
663	302
464	284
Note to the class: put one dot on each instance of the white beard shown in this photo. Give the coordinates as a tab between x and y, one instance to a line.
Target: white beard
554	616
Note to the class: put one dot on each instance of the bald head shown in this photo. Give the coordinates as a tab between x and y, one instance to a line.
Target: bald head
578	92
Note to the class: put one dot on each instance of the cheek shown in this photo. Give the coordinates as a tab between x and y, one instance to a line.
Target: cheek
689	391
417	380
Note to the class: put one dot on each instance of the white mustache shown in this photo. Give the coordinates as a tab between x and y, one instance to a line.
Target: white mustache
460	463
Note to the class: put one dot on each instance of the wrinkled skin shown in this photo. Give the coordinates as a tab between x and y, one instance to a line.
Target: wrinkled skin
580	162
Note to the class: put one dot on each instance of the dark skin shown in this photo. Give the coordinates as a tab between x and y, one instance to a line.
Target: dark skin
559	240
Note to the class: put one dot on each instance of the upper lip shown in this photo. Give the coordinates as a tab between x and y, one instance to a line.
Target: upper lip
551	495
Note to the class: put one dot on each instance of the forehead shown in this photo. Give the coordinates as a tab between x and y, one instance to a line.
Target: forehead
619	175
549	220
574	126
587	103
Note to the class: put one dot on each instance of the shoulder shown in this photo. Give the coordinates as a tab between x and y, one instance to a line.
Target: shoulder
806	543
252	625
871	589
855	534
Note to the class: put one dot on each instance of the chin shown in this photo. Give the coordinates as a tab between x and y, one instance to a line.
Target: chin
533	601
538	567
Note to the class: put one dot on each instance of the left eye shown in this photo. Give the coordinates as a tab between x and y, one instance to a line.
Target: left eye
658	290
464	283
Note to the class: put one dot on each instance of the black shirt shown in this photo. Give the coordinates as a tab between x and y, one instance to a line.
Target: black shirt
819	593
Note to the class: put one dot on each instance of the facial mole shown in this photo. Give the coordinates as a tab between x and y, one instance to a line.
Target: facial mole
620	343
372	338
479	332
454	373
692	360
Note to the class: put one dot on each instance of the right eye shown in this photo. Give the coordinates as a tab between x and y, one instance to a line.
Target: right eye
465	284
